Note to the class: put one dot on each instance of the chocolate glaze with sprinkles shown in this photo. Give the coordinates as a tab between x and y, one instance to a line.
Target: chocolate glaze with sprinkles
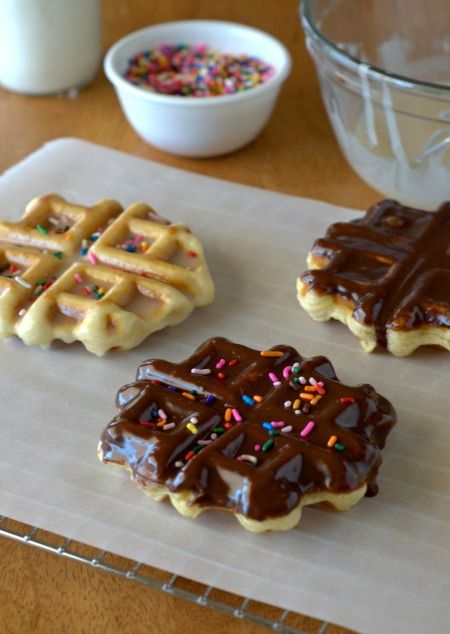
245	468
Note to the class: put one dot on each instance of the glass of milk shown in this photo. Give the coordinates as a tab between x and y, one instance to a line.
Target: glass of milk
49	46
384	72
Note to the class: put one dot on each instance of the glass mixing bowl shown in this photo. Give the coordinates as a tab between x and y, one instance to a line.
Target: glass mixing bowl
384	71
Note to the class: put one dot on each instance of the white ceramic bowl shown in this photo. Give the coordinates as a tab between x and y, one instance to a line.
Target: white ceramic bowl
199	126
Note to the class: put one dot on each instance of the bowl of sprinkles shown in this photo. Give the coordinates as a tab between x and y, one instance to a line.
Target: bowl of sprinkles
198	87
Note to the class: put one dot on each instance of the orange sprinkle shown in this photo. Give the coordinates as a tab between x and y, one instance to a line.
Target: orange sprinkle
228	414
68	236
160	423
257	398
307	397
296	404
189	396
332	441
310	388
271	353
316	399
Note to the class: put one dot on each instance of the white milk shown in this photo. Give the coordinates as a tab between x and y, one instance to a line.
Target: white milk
48	46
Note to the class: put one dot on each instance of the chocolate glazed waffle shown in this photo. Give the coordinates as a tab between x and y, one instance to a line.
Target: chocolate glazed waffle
99	275
259	434
386	276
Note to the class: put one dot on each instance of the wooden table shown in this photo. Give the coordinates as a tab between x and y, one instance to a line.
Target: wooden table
296	154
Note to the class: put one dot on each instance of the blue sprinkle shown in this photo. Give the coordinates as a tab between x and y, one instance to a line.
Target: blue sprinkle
248	400
267	425
83	251
210	399
130	248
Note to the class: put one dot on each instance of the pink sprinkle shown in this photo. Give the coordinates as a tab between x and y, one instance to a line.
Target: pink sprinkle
237	417
307	429
91	257
286	371
287	429
162	414
77	277
273	377
137	239
277	424
220	364
257	447
168	426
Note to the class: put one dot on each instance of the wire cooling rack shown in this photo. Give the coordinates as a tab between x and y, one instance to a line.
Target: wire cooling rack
246	609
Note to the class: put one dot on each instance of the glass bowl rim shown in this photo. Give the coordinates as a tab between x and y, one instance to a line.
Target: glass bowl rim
353	62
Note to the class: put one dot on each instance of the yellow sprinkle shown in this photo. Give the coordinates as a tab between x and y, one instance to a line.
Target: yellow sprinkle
310	388
192	428
228	414
102	290
143	246
296	404
332	441
189	396
307	397
257	398
316	399
271	353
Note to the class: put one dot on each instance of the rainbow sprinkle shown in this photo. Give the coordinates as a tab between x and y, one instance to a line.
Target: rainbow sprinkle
195	71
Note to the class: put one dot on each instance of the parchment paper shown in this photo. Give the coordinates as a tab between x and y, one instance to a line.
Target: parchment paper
381	567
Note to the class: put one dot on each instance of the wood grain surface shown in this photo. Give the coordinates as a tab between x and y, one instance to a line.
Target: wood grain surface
296	154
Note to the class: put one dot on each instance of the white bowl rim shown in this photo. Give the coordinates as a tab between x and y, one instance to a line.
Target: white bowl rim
175	100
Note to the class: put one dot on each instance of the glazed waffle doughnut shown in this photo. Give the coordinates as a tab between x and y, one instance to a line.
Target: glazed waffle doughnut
99	275
258	434
386	276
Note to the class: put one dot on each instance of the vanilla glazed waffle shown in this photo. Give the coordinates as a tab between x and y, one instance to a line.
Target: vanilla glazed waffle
386	276
99	275
258	434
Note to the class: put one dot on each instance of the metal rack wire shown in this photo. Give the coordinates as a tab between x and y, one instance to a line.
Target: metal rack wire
243	608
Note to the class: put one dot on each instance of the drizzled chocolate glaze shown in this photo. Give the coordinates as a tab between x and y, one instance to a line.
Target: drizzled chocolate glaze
393	265
292	467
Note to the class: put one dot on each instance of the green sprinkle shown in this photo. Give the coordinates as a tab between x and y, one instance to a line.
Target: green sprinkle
197	448
42	229
218	430
268	445
274	432
296	369
296	379
339	446
58	254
